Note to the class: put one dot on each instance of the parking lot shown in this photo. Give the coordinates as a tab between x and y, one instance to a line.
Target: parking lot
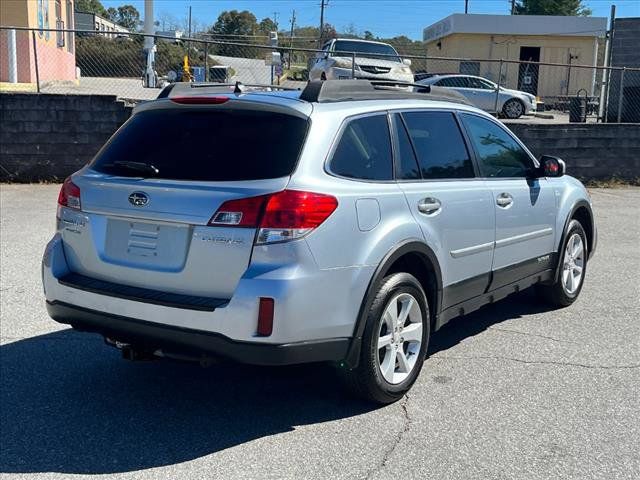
513	391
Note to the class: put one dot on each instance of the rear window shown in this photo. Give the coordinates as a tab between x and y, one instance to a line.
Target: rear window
225	145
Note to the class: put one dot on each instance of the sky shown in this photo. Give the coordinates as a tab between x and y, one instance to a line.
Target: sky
385	18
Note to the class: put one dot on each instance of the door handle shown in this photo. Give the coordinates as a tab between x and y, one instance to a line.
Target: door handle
504	200
429	205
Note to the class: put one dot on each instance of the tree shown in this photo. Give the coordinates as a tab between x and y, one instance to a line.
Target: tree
551	7
91	6
267	25
368	35
235	23
127	16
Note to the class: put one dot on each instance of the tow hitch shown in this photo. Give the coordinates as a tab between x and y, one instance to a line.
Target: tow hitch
129	352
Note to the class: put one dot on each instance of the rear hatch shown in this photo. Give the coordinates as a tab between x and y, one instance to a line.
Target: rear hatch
150	193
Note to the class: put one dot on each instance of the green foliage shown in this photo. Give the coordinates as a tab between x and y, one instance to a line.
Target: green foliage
267	25
126	16
551	7
235	23
91	6
99	56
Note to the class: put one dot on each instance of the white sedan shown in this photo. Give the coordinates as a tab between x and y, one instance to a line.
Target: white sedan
482	93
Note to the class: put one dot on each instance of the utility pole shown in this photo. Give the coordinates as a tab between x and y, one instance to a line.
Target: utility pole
466	6
323	3
275	19
293	23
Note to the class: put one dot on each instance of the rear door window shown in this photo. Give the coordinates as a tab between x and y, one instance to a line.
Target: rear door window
439	145
364	150
204	145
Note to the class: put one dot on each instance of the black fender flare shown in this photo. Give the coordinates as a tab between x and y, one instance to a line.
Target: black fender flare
574	209
408	246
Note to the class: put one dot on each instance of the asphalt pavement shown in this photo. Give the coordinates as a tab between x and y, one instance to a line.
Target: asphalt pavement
513	391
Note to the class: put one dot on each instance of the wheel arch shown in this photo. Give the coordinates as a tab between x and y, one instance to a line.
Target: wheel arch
411	256
582	212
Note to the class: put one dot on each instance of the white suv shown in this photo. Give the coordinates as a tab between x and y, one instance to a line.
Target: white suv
374	60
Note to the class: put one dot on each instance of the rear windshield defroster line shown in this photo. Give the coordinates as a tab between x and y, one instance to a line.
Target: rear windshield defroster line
205	145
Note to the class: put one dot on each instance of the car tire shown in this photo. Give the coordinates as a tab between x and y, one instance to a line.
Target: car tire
323	76
513	109
573	259
393	350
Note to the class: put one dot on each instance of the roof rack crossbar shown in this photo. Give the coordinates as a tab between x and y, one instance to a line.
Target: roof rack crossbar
373	89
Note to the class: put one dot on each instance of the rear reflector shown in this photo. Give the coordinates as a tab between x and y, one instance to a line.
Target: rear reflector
265	316
69	195
281	216
200	100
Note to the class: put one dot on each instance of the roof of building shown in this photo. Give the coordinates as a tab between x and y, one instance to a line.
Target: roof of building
516	25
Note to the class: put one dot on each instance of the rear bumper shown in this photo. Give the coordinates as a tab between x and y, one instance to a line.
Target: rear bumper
154	336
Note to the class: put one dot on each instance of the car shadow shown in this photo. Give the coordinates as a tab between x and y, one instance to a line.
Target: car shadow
512	307
69	404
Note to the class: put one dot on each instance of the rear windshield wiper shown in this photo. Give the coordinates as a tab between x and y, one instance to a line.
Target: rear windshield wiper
137	166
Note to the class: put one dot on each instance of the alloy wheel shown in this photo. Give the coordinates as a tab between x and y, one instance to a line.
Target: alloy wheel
573	264
400	338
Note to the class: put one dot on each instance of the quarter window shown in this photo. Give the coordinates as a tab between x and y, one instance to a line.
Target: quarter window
364	150
498	152
439	145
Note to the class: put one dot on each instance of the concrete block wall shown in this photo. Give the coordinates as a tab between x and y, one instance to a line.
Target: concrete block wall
48	137
591	151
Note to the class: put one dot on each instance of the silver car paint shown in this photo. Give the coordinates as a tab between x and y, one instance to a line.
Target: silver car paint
318	282
486	99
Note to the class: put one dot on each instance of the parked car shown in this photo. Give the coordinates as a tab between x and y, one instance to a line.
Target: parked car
289	227
482	93
374	60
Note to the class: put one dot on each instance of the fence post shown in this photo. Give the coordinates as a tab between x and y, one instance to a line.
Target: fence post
12	56
495	105
35	59
621	94
206	57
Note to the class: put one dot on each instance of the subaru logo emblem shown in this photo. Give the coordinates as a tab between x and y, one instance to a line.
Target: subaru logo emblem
138	199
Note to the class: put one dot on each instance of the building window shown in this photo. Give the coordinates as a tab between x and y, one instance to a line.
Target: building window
59	24
70	26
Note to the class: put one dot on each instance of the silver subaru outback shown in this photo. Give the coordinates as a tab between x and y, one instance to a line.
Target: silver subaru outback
344	223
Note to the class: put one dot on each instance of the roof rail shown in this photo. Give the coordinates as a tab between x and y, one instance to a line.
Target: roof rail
240	87
237	87
366	89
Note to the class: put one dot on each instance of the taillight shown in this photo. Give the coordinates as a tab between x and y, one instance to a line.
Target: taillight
281	216
69	195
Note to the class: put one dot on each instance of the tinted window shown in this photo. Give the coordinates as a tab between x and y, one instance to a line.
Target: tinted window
456	82
499	154
407	165
479	83
439	145
364	150
187	144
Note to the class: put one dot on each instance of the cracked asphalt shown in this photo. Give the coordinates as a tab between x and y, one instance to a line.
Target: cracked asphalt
514	391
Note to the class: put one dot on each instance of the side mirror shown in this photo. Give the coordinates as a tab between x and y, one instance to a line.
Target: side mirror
552	166
406	61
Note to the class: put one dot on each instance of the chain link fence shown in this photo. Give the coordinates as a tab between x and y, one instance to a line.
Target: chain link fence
70	61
